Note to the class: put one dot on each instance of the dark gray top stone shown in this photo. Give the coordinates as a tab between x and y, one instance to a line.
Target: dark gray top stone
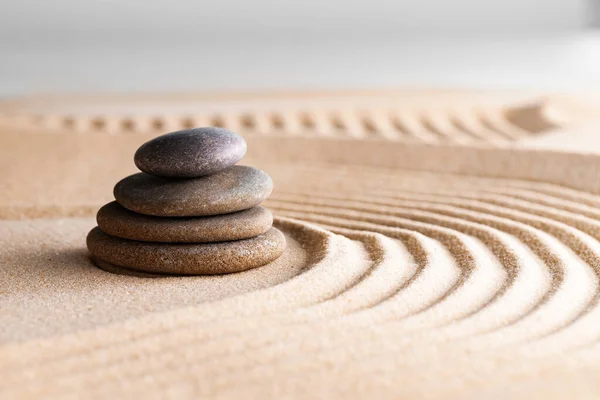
190	153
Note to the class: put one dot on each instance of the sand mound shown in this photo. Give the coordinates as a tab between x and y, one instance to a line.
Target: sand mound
412	271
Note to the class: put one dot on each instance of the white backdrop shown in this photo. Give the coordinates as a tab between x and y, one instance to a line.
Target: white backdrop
137	45
43	19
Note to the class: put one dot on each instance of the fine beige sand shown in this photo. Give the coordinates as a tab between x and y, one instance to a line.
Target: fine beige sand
412	270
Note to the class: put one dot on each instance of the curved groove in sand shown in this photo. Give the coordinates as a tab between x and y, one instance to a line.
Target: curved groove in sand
483	233
578	232
580	276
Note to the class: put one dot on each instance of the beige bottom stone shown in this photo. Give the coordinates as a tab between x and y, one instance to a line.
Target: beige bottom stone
187	259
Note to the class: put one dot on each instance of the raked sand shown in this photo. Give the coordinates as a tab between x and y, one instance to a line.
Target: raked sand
412	271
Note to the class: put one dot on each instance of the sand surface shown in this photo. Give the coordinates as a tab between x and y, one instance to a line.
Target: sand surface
413	270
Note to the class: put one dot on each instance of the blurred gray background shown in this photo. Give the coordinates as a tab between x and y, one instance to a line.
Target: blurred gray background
158	45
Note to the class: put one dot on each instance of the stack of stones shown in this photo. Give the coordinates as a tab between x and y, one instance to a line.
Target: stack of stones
190	212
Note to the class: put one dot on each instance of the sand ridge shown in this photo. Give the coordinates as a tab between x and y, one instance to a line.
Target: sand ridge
413	271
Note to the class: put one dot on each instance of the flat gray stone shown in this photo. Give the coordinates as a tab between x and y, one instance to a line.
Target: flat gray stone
121	222
234	189
187	259
190	153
